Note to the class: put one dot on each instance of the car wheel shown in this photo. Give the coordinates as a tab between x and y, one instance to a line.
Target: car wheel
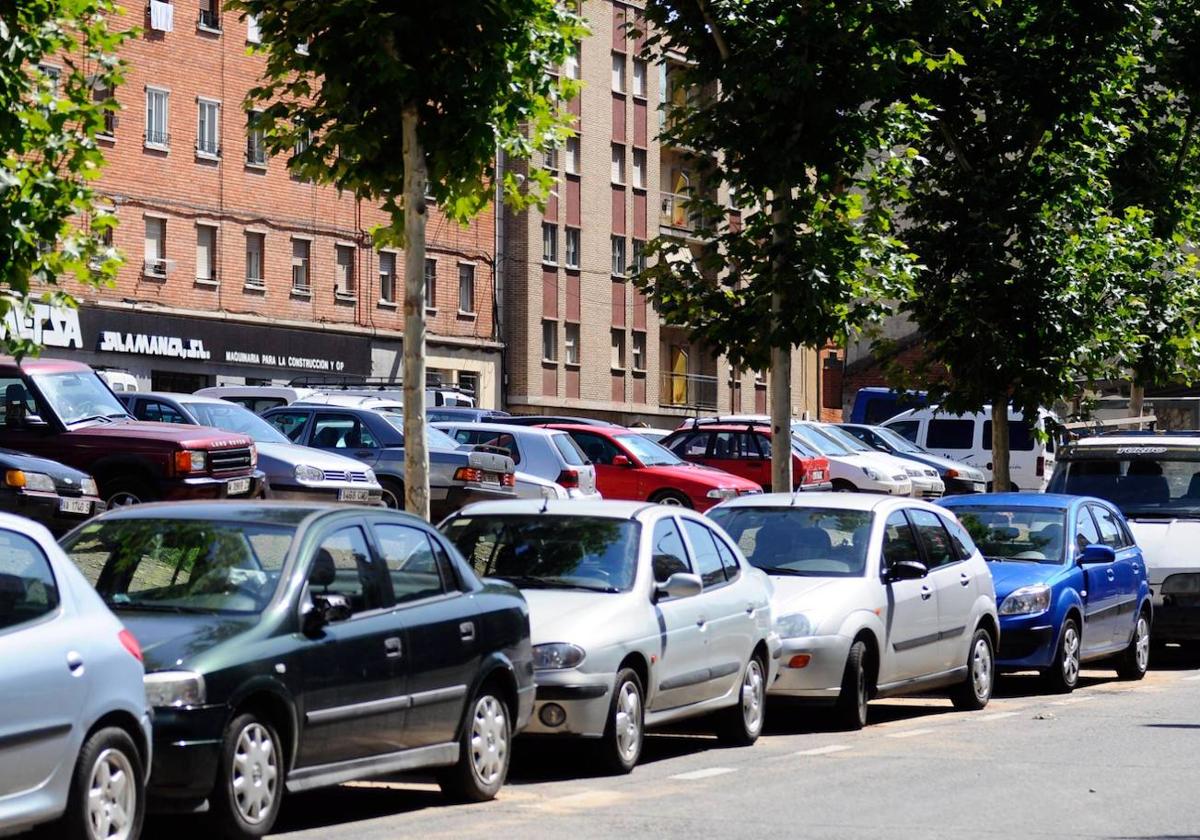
973	693
1063	674
393	494
1136	658
741	724
107	800
850	710
621	746
249	789
485	749
128	491
671	497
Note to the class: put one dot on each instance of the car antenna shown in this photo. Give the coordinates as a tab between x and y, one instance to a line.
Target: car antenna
545	504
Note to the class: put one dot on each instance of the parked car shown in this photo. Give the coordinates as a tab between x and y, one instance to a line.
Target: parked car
745	449
257	398
290	647
292	472
530	486
1070	581
62	410
926	483
874	597
956	476
551	454
877	405
461	414
1154	480
548	419
74	727
118	380
47	492
641	615
968	438
650	433
630	467
852	471
371	401
376	438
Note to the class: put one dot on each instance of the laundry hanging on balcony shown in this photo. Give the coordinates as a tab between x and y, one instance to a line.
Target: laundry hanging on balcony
162	16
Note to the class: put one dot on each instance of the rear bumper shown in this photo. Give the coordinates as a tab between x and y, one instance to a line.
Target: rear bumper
1175	621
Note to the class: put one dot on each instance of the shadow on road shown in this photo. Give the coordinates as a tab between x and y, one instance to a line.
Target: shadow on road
550	759
1174	657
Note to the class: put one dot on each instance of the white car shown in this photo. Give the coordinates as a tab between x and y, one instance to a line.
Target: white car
640	615
873	598
74	728
926	484
852	470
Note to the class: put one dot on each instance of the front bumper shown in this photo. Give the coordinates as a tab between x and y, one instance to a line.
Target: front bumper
821	676
584	697
928	488
46	509
1026	641
187	749
204	487
816	487
325	493
963	486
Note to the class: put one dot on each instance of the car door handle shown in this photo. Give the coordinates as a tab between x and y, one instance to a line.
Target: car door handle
75	662
466	631
964	579
1111	574
926	593
363	453
393	647
700	622
749	609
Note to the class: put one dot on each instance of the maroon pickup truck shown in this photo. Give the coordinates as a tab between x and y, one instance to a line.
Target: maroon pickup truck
62	410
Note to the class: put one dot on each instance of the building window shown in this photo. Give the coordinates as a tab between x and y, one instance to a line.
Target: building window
549	341
571	344
387	277
253	34
206	253
572	161
344	270
618	256
466	288
102	96
639	256
255	250
551	159
156	118
639	78
300	261
469	382
571	65
618	72
618	349
549	244
618	163
639	169
572	253
430	284
156	247
256	140
639	350
208	128
210	15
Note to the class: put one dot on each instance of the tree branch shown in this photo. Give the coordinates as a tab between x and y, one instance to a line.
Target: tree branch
957	151
717	36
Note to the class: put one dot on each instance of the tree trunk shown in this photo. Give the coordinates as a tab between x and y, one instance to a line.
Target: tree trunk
416	453
781	370
1001	479
1137	399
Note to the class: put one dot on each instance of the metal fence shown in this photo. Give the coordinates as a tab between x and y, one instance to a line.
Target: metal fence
688	390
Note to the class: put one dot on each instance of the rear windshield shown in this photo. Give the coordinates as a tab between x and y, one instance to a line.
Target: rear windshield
1145	481
804	542
569	449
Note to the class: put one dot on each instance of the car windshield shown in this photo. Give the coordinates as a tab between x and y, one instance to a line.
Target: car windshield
845	438
1156	482
235	418
77	396
899	442
800	541
648	452
434	438
181	565
541	551
1030	534
821	443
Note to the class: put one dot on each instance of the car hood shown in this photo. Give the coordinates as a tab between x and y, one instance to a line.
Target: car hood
1011	575
709	476
796	594
12	459
1168	545
185	436
942	464
563	615
291	454
173	641
882	461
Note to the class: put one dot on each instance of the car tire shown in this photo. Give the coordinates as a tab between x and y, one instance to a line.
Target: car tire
485	750
1063	674
625	731
250	779
741	724
974	692
393	494
671	497
1135	660
107	797
128	491
850	709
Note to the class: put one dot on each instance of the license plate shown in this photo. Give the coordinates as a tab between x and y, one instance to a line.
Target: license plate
491	478
75	506
354	495
818	475
237	487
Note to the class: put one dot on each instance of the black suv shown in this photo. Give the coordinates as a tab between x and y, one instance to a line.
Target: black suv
290	647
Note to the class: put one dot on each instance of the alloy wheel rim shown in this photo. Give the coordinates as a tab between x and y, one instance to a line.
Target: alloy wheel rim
752	697
112	797
124	499
981	670
390	500
489	739
628	722
1070	664
1142	649
255	773
670	501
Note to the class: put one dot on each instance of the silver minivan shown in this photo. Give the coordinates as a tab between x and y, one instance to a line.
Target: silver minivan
546	453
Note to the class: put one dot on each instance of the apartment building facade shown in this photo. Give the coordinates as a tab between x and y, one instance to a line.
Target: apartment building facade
579	337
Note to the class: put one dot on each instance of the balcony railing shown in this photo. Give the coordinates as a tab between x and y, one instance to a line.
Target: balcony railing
688	390
677	214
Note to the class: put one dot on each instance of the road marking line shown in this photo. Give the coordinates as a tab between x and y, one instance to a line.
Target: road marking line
707	773
996	716
911	733
1070	701
832	748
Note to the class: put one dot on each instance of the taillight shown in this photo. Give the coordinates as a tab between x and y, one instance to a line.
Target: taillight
1041	465
130	643
468	474
508	479
568	479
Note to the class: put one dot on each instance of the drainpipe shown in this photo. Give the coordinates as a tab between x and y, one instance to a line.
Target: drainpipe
499	259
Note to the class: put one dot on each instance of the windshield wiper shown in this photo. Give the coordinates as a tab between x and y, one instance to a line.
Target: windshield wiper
993	559
534	582
779	570
121	606
103	417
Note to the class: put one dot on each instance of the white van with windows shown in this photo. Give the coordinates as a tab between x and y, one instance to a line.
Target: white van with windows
968	438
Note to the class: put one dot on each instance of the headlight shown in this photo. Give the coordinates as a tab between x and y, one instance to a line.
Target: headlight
253	455
794	626
871	474
304	472
913	472
1027	600
722	493
189	461
557	656
931	473
371	479
89	488
174	688
29	481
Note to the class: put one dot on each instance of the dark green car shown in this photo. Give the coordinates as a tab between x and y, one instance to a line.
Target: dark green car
290	647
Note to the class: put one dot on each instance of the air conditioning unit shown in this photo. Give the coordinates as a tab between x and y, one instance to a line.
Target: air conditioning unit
159	268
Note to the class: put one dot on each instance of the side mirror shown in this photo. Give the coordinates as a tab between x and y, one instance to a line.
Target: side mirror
326	609
681	585
1097	554
907	570
621	461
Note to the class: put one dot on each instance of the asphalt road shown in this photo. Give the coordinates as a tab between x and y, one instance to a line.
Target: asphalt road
1113	760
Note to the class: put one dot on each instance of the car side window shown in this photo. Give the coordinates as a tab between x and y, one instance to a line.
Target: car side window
158	411
938	549
899	541
410	562
341	431
764	445
291	423
463	436
1085	530
668	555
728	560
343	566
908	429
704	550
959	536
27	587
694	445
1110	529
598	449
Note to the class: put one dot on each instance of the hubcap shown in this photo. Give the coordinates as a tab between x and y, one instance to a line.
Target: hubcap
255	772
112	797
981	669
1142	642
489	739
671	501
124	499
752	697
1070	658
390	500
628	722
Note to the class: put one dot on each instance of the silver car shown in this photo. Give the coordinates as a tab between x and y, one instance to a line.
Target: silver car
640	615
549	453
74	729
874	597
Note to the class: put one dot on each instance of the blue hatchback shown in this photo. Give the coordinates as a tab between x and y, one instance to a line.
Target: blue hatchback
1070	581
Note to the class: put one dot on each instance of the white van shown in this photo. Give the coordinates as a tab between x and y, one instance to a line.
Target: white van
119	380
968	437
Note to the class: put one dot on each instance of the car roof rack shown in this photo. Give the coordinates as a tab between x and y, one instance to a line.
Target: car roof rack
699	422
372	383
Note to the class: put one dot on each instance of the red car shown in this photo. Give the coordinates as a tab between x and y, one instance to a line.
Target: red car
745	449
629	466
